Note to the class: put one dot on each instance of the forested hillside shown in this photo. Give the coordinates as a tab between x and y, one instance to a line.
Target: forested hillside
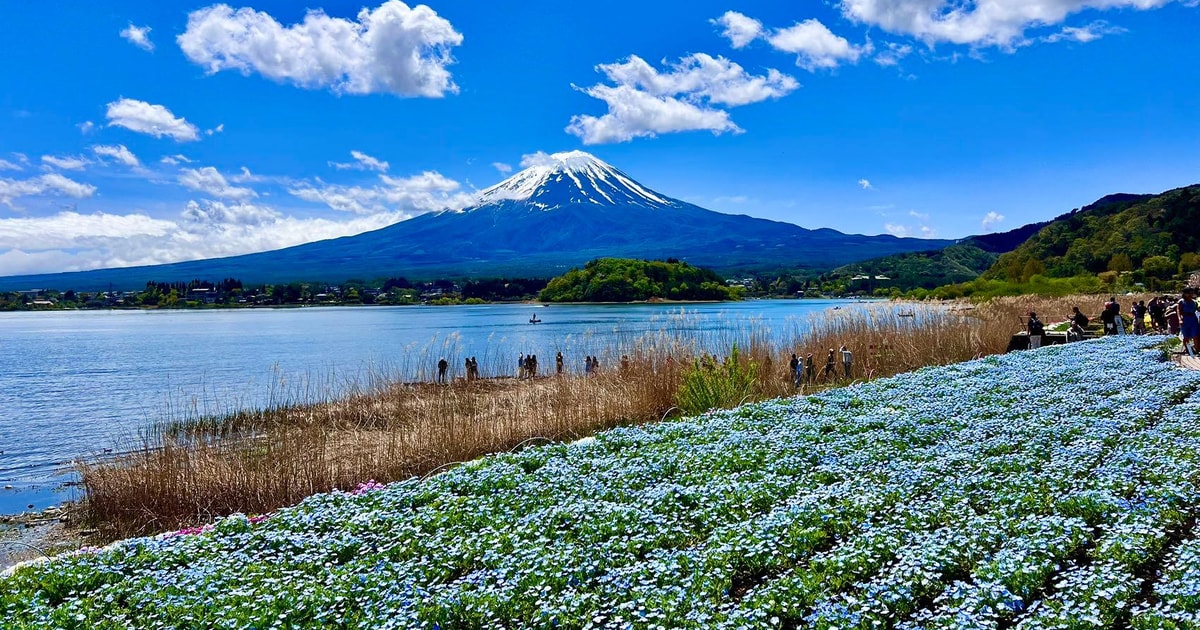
1153	237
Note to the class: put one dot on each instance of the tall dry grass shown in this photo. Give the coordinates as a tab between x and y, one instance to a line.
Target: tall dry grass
191	471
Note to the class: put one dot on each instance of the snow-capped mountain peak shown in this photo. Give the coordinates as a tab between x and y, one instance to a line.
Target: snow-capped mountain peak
573	177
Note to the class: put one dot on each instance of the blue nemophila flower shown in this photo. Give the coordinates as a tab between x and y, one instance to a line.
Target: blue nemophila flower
1035	490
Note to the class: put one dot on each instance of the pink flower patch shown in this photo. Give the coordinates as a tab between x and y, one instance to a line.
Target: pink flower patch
367	486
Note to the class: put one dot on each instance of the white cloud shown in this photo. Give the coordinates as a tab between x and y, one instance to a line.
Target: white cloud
739	29
865	184
636	114
218	129
138	36
72	229
176	159
405	195
504	169
702	77
117	152
154	120
5	165
907	231
210	181
86	127
217	212
69	241
362	162
246	177
893	54
1084	34
50	183
815	46
393	49
54	182
537	158
67	162
991	220
645	102
920	230
1001	23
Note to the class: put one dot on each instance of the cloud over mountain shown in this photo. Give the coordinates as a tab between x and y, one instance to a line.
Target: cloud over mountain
690	95
407	196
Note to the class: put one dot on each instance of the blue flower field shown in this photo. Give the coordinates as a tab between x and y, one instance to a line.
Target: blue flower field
1055	488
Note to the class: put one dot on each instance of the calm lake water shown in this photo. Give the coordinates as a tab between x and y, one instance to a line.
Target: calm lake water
73	384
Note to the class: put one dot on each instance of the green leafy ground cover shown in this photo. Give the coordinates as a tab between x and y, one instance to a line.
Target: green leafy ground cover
1055	488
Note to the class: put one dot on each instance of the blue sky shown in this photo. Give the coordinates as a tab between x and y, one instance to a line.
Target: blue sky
141	133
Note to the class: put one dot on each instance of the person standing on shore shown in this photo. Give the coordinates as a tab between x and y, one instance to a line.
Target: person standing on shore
1189	326
1158	313
810	370
794	364
830	372
443	365
1036	330
847	361
1107	317
1138	311
1172	318
1118	319
558	363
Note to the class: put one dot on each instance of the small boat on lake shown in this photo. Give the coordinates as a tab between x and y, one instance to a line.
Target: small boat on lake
533	319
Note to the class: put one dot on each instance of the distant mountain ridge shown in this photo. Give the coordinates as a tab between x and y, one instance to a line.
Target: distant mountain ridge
559	213
1083	241
963	261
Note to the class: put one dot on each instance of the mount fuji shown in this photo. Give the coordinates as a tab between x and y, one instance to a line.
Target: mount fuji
561	212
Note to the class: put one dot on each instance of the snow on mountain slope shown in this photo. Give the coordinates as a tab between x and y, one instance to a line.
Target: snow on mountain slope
573	177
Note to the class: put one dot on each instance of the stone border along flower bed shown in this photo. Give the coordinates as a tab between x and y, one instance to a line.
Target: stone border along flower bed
1055	488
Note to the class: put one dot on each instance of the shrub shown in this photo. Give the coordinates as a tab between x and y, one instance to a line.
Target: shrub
708	385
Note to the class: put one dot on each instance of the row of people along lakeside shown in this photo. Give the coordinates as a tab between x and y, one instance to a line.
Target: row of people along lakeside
838	365
1164	315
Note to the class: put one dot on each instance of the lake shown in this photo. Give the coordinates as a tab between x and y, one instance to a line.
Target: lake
75	383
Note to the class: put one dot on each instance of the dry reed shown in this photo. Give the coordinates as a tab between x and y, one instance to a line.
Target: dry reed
189	472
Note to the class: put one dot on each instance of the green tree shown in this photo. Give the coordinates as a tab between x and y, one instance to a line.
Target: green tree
626	280
1159	267
1032	267
1189	262
1120	262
